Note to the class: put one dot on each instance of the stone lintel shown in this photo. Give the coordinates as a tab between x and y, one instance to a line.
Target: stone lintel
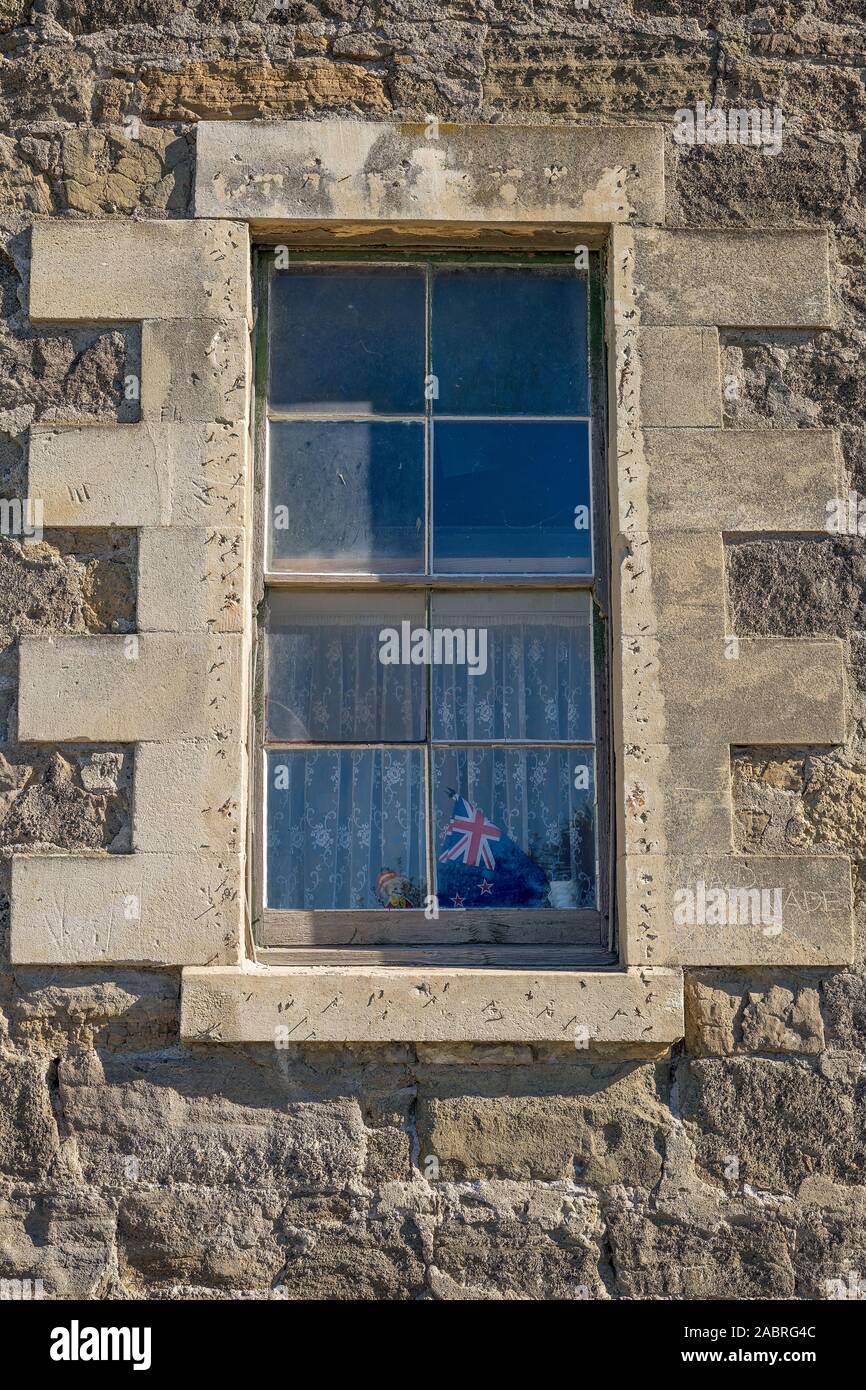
382	171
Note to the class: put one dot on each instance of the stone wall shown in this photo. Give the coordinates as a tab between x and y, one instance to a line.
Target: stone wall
131	1165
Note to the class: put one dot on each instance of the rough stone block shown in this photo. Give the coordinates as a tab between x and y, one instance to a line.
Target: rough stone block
29	1141
162	909
680	377
191	579
56	1008
110	271
376	170
333	1003
513	1241
188	797
785	1121
727	1013
697	1251
733	279
592	1123
124	689
146	474
202	1238
195	370
64	1239
227	1124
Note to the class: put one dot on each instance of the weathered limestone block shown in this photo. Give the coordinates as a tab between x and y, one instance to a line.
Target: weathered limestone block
341	1251
236	1127
682	690
325	1003
594	1124
195	370
515	1240
55	1009
147	474
731	279
191	579
66	1239
726	1014
670	582
29	1142
160	909
783	1121
680	377
370	170
676	800
222	1238
126	689
809	924
830	1251
188	798
238	89
740	480
110	271
699	1250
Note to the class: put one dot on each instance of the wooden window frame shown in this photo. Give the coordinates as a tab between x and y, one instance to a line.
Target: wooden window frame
568	939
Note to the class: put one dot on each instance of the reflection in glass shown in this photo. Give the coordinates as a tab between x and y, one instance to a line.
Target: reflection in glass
347	338
511	496
536	684
510	341
346	495
514	827
345	828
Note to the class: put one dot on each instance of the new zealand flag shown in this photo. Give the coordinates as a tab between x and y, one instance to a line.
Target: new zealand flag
480	866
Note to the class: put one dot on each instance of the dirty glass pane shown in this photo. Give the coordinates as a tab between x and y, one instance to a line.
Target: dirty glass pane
347	339
511	496
331	672
346	495
509	341
512	666
514	827
345	828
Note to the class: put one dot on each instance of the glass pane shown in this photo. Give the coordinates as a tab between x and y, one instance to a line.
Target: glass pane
511	496
510	341
512	666
346	495
345	829
514	827
347	338
336	670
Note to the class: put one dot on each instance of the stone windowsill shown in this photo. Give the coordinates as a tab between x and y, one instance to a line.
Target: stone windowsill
393	1004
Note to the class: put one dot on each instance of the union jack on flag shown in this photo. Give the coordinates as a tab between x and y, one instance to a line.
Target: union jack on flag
475	836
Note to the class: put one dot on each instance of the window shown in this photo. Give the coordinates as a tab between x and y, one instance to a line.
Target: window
432	713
